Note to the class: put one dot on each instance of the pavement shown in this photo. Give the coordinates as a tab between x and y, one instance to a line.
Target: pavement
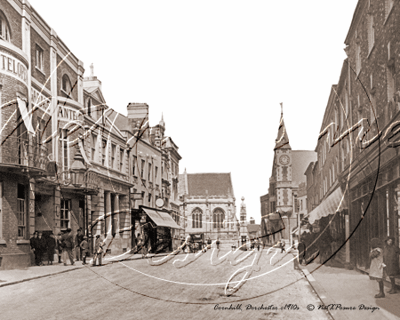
10	277
349	294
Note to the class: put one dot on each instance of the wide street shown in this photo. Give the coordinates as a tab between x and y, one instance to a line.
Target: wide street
135	290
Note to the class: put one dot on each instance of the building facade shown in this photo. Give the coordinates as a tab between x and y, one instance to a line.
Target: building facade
208	205
66	159
357	169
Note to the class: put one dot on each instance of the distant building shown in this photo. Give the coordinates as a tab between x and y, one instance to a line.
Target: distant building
208	204
288	169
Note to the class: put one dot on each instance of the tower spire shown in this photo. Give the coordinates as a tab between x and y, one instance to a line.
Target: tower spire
282	140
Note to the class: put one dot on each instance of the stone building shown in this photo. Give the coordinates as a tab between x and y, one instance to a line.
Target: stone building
288	170
208	204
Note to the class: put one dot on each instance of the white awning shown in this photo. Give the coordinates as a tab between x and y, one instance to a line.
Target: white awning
161	218
330	205
26	116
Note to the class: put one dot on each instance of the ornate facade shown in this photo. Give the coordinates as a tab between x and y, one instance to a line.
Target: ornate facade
209	204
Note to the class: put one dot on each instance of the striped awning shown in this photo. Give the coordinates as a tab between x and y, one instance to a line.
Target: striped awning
161	218
329	206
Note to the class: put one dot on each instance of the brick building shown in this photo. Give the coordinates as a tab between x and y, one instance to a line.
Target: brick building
355	185
66	160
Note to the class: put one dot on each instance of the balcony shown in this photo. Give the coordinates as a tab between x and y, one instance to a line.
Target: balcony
21	155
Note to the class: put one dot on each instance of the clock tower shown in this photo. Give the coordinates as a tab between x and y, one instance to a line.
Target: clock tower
282	175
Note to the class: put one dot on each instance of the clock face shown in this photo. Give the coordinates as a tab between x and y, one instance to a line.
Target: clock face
284	159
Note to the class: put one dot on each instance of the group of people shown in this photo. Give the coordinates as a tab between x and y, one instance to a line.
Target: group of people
40	246
383	263
66	246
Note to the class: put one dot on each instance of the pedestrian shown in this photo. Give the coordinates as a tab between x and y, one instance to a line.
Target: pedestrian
258	244
34	247
51	245
98	251
301	247
84	249
78	240
251	244
390	256
41	247
68	244
217	243
59	247
376	267
282	246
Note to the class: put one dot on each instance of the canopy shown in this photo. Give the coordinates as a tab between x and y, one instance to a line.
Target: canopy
328	206
161	218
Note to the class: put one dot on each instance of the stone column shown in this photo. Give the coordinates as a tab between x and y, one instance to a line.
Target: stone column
107	212
116	217
57	210
53	87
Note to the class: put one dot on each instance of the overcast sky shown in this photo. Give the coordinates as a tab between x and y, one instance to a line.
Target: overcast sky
217	70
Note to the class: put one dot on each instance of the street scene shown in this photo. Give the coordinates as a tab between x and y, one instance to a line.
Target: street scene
271	198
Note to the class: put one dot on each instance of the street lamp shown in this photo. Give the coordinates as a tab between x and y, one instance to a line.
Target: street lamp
78	170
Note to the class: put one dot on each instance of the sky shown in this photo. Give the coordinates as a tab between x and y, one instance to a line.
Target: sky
217	71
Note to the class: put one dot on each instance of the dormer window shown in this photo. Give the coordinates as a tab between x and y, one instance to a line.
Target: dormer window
66	84
4	28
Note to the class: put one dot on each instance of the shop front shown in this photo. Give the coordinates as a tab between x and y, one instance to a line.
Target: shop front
156	227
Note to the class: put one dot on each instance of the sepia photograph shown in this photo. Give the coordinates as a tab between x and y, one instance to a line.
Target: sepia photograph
175	159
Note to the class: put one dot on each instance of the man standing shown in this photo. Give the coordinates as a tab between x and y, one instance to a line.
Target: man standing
390	256
78	240
34	246
51	245
98	250
68	245
41	248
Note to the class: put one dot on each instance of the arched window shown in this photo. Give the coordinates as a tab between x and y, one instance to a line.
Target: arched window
197	218
218	218
66	84
4	28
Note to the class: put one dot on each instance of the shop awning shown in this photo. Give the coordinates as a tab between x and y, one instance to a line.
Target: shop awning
329	206
161	218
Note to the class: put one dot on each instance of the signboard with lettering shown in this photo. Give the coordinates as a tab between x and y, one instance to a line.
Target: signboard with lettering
40	100
67	113
13	67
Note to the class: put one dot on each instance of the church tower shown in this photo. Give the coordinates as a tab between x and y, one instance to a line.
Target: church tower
282	173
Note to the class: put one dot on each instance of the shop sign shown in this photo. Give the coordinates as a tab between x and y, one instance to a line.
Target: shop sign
66	113
92	180
13	67
40	100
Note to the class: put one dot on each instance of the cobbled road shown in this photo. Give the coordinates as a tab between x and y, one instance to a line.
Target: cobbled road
133	289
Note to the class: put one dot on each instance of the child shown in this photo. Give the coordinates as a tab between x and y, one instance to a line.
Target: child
84	249
376	268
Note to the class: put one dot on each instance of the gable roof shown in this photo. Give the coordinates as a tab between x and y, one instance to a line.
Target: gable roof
211	184
96	93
